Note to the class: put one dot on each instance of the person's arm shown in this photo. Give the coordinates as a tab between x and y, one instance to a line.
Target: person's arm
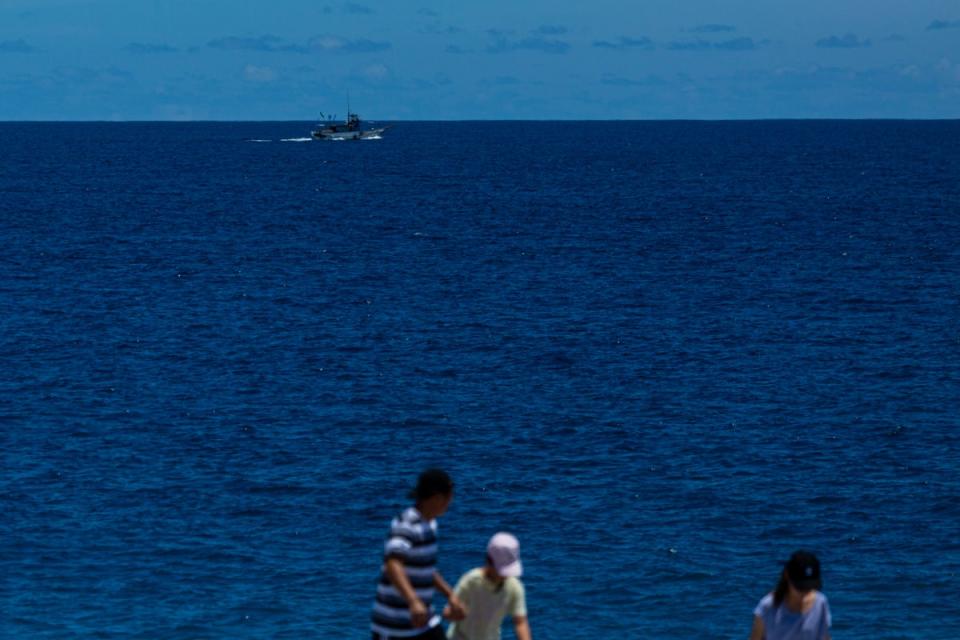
398	576
454	609
458	591
827	618
757	633
521	628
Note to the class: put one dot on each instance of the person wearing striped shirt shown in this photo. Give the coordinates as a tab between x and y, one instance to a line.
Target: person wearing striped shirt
403	606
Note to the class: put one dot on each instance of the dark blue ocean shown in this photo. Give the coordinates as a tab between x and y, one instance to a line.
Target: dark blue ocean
663	354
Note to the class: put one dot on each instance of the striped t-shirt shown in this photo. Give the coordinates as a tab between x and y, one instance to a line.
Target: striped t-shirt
414	541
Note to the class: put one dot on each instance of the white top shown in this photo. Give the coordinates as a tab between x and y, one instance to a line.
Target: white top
780	623
487	605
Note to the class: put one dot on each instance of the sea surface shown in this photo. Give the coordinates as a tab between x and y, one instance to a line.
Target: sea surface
664	354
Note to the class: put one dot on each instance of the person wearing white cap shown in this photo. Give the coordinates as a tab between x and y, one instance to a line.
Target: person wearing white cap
492	592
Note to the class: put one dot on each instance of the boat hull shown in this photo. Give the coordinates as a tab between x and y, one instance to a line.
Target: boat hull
368	134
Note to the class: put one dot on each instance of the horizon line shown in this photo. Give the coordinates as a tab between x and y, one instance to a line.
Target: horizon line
455	120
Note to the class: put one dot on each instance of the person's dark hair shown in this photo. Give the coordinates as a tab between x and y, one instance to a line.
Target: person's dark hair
803	570
780	591
430	483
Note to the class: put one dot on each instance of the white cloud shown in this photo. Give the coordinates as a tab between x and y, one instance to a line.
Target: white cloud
846	41
910	71
329	43
376	72
254	73
949	69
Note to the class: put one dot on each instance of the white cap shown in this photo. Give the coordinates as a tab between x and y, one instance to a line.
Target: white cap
504	552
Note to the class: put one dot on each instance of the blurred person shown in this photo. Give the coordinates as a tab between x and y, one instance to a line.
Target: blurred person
403	607
490	593
795	609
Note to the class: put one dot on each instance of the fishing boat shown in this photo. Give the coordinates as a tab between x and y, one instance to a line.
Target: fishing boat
350	129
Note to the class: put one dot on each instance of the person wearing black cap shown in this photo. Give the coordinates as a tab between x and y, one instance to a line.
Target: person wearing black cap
795	610
408	577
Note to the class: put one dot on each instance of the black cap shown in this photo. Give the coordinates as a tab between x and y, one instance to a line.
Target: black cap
430	483
803	571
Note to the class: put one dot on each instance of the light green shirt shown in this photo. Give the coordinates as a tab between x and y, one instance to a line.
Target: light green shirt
487	605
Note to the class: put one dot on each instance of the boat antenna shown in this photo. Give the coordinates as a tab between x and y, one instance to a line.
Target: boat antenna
348	104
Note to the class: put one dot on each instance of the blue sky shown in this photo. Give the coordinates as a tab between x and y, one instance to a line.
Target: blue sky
445	60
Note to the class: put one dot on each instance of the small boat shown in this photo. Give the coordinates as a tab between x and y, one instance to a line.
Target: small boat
350	129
